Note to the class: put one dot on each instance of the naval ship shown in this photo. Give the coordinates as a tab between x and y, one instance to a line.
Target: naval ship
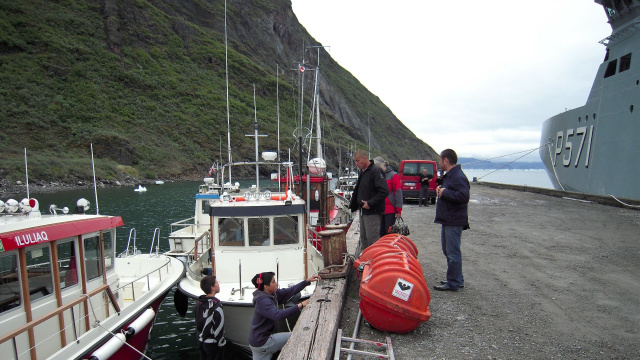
595	148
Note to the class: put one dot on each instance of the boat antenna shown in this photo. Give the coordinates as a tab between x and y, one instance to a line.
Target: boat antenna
95	188
226	71
26	171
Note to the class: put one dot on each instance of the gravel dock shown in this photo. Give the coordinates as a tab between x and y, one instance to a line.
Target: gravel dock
545	278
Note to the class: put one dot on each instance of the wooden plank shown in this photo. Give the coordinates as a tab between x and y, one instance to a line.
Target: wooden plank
315	332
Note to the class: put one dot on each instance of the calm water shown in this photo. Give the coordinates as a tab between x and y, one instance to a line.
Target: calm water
531	177
173	336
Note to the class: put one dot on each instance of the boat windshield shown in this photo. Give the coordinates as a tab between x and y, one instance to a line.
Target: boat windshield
258	229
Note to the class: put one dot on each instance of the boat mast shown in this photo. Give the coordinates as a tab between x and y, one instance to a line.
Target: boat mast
278	117
255	134
226	71
317	103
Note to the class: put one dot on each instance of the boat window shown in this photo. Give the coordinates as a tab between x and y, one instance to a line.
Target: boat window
93	257
67	265
109	250
611	68
9	284
39	272
259	231
231	232
285	230
625	63
205	206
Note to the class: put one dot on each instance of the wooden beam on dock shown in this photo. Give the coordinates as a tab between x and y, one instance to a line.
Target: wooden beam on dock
315	332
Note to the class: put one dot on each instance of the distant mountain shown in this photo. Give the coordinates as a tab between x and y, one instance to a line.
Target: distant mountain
472	163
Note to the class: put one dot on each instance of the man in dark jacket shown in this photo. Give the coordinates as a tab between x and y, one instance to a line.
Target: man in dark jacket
210	320
368	196
451	212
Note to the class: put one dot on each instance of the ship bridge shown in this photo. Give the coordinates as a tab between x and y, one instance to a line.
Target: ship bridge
621	13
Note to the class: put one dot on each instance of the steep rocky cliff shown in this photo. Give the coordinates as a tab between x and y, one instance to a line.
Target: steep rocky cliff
144	82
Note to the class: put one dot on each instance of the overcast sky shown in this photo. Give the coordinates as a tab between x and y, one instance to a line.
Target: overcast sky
479	77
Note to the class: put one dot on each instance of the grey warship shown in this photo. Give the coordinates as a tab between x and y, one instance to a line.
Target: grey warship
595	148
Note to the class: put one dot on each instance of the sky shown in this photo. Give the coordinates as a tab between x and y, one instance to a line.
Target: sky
479	77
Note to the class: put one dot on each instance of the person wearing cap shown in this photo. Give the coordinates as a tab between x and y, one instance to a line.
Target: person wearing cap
264	340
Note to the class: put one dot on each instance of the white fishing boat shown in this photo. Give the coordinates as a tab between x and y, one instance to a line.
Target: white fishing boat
192	235
63	292
346	183
256	232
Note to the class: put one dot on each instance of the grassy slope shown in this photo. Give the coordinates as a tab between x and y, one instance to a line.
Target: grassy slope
144	83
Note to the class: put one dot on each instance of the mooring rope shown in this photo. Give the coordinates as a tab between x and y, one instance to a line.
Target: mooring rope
507	164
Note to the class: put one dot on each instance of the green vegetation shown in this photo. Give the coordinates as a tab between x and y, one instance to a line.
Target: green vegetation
144	82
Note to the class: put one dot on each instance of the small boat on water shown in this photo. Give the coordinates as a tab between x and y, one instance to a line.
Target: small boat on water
64	294
579	146
140	188
239	236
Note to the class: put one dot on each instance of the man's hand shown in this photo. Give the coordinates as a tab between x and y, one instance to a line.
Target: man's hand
365	205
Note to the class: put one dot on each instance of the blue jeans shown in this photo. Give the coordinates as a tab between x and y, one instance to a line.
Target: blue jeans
273	345
450	240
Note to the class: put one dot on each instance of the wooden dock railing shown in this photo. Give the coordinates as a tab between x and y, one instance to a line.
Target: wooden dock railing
315	332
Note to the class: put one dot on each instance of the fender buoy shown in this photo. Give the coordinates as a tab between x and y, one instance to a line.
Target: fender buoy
279	197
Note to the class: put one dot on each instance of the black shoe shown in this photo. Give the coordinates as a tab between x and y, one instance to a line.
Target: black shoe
442	282
445	287
419	205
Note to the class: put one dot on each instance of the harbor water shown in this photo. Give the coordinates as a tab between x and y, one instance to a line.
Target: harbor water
173	337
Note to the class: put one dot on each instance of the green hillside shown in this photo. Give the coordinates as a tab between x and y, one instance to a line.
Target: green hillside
144	82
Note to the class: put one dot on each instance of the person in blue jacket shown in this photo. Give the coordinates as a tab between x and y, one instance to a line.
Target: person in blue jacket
264	341
451	212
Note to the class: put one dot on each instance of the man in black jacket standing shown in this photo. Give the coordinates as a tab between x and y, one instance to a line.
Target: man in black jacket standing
451	212
368	196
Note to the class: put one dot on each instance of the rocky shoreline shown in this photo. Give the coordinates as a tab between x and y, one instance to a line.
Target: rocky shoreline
18	189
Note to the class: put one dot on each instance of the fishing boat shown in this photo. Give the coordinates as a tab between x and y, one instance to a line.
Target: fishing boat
190	235
64	294
579	147
346	183
140	188
256	232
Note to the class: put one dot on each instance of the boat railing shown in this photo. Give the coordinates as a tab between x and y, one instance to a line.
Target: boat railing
156	235
147	276
132	232
183	224
57	312
198	243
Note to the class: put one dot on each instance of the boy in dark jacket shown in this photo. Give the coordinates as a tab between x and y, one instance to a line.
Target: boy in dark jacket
210	320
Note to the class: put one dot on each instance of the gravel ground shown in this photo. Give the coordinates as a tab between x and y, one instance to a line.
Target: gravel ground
545	278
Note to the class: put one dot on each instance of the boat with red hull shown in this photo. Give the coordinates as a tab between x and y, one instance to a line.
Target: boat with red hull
64	294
